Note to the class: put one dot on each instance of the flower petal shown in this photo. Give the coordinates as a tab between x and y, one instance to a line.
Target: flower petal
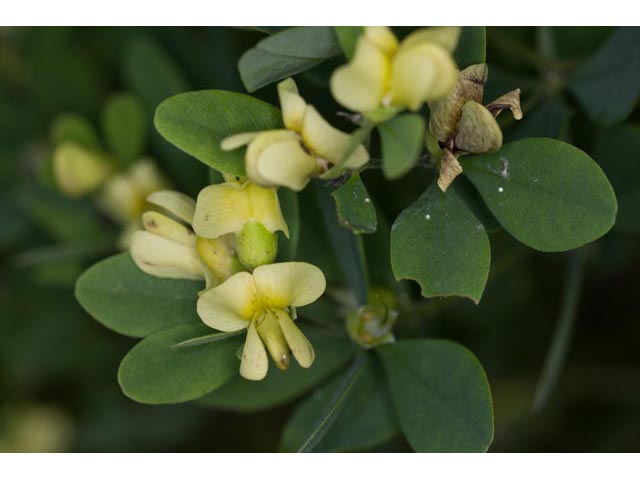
383	38
292	105
226	207
164	258
146	176
217	255
323	139
299	344
509	101
231	305
238	140
286	164
121	199
362	83
79	171
421	73
446	37
281	285
255	149
450	168
168	228
178	204
254	364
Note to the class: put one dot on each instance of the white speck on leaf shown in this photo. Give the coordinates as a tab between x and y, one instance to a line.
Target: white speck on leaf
367	200
427	217
500	189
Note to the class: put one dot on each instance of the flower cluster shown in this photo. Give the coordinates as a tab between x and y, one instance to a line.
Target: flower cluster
228	238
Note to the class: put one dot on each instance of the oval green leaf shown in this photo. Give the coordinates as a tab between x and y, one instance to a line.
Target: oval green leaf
196	123
287	53
332	352
125	299
124	125
617	151
366	419
441	244
608	84
155	372
402	139
354	206
441	395
348	38
548	194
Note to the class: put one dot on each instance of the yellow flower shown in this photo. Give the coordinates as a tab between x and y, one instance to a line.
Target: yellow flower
123	195
78	170
245	209
263	302
168	247
385	76
309	146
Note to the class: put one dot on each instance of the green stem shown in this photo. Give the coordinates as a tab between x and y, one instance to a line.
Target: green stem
559	347
335	405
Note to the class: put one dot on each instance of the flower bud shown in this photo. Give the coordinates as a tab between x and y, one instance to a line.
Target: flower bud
370	325
78	170
256	245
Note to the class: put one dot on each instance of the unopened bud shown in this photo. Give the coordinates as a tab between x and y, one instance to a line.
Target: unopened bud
218	257
370	325
78	170
256	245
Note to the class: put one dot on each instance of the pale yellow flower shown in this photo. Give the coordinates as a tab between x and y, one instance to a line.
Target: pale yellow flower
308	147
169	248
385	76
263	302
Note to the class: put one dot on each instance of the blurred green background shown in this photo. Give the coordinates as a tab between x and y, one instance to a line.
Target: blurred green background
58	387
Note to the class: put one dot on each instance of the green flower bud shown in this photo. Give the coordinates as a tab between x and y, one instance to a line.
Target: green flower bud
370	325
78	170
256	245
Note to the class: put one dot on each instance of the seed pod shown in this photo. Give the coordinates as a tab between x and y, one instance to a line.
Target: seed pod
478	131
256	245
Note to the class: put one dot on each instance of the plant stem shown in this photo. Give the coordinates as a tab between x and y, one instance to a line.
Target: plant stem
559	347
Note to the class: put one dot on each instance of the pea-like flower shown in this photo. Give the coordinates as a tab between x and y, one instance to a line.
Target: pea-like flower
460	124
169	248
264	303
244	209
308	147
385	76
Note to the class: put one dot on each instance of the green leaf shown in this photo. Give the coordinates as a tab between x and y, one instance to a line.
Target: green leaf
616	150
367	418
71	127
348	38
347	246
548	194
205	339
402	139
125	299
287	53
124	125
154	372
442	245
332	352
441	395
472	47
287	248
354	206
151	73
196	122
608	84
